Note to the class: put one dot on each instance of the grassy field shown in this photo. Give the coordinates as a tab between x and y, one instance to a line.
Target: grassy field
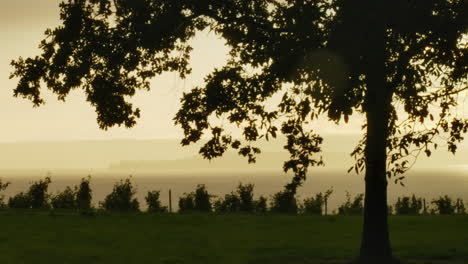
42	237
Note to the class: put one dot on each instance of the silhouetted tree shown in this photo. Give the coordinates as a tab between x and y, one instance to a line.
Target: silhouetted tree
19	201
3	187
64	199
200	200
354	207
284	202
408	205
230	203
153	202
460	206
394	62
444	205
121	197
239	201
84	195
186	203
260	205
37	193
317	205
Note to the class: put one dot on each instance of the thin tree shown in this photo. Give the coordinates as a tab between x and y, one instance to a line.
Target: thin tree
400	64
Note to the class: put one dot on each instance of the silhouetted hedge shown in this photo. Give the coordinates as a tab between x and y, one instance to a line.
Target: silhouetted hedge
199	201
64	199
317	205
3	187
284	202
35	198
240	200
153	202
352	207
121	198
408	205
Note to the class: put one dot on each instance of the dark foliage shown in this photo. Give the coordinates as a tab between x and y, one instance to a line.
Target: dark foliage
354	207
84	195
64	199
261	205
284	202
239	201
199	201
444	205
121	198
20	201
38	194
202	199
153	202
187	203
408	205
3	187
316	205
460	206
229	204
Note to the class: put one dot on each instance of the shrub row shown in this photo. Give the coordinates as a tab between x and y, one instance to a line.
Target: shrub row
239	201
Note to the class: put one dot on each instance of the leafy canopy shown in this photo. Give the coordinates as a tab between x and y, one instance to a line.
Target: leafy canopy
314	53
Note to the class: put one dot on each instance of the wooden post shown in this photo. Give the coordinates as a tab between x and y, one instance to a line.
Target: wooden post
326	201
424	206
170	201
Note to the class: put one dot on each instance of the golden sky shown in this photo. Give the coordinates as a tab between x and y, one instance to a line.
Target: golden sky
22	25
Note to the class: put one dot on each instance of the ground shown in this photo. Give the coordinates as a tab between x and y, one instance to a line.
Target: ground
63	237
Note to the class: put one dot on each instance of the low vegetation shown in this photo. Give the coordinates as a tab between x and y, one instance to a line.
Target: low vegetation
242	200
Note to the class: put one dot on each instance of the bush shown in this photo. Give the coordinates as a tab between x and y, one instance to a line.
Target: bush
84	195
200	200
316	205
408	205
239	201
460	206
64	200
284	202
245	193
121	198
444	205
355	207
313	205
21	200
38	194
36	197
153	202
260	205
3	187
229	204
186	203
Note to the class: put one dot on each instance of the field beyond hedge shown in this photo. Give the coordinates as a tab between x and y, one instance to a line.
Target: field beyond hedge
43	237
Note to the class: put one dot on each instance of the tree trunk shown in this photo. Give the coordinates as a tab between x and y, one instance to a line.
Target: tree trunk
375	243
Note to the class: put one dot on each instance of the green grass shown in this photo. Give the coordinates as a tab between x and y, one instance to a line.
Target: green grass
40	237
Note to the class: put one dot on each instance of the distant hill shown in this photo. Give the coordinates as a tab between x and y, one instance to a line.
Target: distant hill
168	154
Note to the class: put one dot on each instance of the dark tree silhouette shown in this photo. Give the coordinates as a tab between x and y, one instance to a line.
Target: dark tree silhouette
399	63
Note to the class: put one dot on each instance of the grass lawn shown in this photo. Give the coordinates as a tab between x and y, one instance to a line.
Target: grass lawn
41	237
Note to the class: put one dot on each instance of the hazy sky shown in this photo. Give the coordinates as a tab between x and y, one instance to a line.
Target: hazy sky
22	25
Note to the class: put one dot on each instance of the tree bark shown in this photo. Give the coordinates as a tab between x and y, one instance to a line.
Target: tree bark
375	243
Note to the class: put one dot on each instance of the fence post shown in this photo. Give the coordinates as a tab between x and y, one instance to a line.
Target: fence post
424	206
326	201
170	201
